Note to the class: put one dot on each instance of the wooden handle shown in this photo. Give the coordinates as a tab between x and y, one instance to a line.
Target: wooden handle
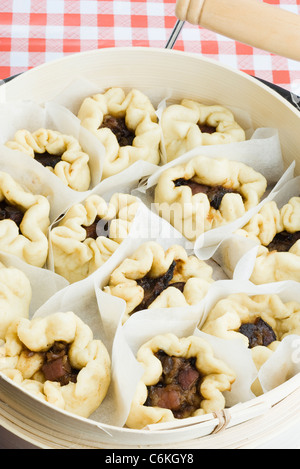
251	22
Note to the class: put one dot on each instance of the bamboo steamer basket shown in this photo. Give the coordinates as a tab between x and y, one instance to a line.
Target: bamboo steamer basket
271	420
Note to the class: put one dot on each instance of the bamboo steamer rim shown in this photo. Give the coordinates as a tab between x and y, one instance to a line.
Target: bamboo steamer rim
278	417
91	56
286	407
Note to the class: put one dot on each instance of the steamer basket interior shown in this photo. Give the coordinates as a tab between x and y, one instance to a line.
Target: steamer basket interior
184	76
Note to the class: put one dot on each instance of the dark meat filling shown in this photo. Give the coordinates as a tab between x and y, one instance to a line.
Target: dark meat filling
98	228
119	128
154	286
207	129
284	241
178	387
10	212
57	365
258	333
215	194
46	159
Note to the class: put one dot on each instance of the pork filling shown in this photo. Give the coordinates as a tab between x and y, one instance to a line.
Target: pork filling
215	194
119	128
57	365
47	159
153	287
10	212
284	241
178	388
207	129
99	227
258	333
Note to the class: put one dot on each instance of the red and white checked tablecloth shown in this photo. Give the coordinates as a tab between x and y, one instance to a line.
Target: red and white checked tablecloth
36	31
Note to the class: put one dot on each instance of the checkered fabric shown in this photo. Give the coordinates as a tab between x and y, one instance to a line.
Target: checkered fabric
36	31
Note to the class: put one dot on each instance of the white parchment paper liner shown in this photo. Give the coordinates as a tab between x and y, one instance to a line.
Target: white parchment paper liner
40	180
207	243
72	96
182	322
287	355
240	116
243	251
262	152
283	365
248	152
77	90
43	283
80	298
124	182
31	116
